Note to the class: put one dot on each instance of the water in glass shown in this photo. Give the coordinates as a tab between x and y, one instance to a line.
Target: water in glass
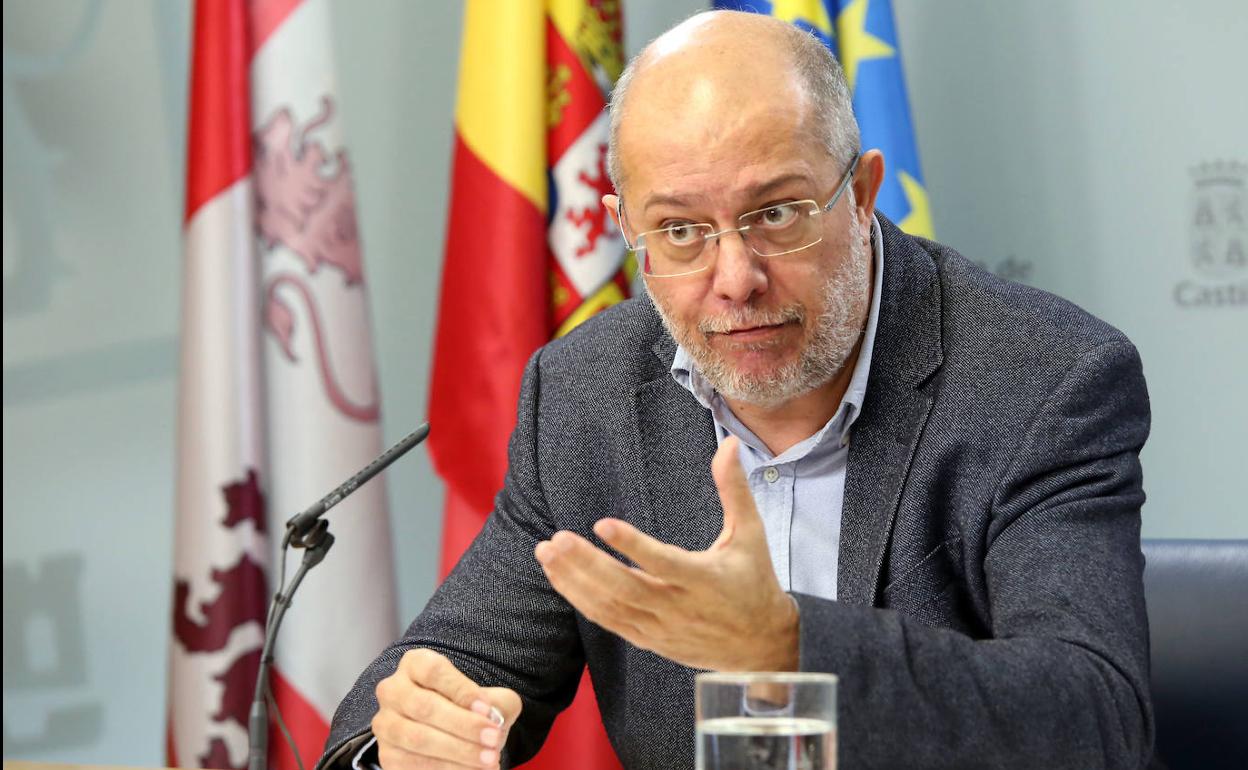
766	743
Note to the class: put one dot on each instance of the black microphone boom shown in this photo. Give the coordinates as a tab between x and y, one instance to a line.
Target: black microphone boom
303	524
304	530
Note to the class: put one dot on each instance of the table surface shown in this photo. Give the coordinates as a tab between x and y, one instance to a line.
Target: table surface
21	764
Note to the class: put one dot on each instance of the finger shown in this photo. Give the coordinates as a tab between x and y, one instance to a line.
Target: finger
654	556
740	512
406	741
417	704
603	589
507	703
570	555
434	671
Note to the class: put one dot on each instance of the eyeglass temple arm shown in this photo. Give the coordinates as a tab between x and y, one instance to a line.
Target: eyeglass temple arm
840	190
619	214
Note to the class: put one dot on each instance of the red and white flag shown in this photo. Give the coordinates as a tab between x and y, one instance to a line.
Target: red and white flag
278	400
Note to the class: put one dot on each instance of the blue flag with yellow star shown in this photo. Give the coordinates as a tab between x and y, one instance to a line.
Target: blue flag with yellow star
864	38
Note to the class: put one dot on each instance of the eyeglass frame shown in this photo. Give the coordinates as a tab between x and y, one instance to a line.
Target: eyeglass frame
836	196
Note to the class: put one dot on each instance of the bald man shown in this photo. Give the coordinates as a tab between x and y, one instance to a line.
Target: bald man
818	444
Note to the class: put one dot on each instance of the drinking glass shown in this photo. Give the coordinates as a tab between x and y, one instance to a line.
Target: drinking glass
766	721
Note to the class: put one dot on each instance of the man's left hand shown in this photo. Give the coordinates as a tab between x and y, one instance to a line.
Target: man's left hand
720	609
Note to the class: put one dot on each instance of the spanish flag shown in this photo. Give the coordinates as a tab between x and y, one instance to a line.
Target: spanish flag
862	35
530	253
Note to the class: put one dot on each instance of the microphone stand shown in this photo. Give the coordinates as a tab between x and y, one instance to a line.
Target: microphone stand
309	531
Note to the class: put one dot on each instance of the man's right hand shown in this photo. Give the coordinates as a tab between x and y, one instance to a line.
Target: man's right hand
430	716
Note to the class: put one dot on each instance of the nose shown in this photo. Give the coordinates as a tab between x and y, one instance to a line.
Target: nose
740	274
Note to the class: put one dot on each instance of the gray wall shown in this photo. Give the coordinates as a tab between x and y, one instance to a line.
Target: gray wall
1058	140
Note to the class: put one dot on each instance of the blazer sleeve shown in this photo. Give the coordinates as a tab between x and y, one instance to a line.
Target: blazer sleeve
495	616
1062	682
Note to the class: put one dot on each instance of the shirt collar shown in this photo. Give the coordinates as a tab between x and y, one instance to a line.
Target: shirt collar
686	373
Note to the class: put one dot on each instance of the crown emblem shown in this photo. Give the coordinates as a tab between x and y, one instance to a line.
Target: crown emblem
1219	219
1220	172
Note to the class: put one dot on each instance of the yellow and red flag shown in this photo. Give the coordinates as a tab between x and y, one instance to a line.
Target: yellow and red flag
530	253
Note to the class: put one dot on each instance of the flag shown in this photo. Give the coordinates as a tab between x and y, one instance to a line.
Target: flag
277	397
530	253
862	35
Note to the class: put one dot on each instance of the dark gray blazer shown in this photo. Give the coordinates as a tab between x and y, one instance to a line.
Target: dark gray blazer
991	608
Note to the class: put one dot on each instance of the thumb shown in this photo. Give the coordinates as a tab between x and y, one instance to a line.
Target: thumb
507	702
740	513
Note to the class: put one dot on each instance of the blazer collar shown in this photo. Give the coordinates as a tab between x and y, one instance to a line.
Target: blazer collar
908	351
675	441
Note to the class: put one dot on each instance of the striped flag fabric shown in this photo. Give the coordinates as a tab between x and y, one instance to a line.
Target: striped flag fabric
863	36
277	397
530	253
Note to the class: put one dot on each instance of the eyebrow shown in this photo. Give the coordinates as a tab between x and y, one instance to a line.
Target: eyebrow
753	191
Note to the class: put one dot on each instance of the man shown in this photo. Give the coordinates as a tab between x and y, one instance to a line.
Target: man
926	481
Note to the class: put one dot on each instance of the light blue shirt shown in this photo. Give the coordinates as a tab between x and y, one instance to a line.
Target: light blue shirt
800	493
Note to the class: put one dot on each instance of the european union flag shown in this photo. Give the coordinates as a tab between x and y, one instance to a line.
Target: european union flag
864	38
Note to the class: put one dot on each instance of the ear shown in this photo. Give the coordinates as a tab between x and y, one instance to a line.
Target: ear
867	181
611	202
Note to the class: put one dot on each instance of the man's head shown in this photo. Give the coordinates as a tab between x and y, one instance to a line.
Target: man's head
728	113
806	61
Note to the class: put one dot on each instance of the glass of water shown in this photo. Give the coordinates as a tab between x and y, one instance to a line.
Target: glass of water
766	721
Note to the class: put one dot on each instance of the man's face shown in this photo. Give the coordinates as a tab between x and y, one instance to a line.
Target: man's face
762	330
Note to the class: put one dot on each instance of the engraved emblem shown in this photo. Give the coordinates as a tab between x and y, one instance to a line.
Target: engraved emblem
1217	238
1219	219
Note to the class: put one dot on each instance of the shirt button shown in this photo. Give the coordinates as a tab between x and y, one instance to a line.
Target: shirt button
771	474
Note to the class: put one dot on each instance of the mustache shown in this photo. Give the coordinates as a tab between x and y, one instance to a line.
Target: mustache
747	318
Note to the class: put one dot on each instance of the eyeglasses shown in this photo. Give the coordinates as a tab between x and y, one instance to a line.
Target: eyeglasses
773	231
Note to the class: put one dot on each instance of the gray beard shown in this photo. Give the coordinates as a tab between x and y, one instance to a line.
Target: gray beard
829	345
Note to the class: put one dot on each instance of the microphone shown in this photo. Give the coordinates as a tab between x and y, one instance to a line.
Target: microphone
305	530
301	528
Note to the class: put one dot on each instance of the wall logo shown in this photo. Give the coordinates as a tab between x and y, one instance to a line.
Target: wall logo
50	705
1218	238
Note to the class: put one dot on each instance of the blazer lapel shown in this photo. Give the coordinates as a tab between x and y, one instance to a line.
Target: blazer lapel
907	352
675	442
